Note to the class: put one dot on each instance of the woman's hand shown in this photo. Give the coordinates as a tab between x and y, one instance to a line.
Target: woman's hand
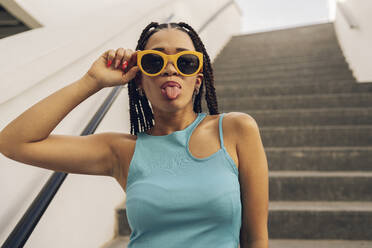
122	69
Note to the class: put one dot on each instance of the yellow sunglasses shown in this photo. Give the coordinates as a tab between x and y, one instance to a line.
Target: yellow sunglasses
153	62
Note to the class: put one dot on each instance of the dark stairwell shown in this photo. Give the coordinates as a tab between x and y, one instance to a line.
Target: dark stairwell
316	126
10	25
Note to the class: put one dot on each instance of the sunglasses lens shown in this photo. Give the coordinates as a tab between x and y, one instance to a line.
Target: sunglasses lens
188	63
152	63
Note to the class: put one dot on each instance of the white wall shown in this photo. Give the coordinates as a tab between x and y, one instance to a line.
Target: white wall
356	43
266	15
36	63
332	9
59	13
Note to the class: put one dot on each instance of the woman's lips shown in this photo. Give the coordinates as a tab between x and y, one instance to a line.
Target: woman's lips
170	83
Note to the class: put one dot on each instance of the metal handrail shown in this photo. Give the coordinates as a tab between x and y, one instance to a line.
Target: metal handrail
350	20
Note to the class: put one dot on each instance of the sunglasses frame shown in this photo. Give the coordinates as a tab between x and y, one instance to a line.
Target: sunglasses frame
173	58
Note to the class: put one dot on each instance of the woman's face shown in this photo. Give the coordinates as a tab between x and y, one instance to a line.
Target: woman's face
167	40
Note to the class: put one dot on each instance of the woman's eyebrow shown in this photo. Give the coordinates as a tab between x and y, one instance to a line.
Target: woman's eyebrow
177	49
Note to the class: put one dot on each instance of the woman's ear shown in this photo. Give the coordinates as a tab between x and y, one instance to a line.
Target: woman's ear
199	79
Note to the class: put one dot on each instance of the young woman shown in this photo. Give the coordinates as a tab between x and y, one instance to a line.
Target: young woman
191	179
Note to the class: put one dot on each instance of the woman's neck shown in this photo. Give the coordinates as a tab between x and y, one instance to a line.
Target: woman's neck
170	124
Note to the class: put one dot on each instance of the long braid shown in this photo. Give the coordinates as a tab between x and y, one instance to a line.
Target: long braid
208	73
134	98
141	115
147	112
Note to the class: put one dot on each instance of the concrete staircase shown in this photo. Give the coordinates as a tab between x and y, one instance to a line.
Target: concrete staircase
10	25
316	126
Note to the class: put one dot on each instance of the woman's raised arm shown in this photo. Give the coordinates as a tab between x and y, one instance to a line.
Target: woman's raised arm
27	138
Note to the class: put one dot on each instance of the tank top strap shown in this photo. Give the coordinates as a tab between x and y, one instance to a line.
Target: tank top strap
220	129
199	119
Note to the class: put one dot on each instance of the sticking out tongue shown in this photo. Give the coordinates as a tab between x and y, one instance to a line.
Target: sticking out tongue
171	92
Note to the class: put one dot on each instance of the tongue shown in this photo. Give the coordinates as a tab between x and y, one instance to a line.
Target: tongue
171	92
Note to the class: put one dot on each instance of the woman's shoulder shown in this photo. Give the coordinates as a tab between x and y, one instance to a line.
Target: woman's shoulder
237	118
235	122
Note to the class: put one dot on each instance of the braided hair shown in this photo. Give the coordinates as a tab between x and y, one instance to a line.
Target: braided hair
141	115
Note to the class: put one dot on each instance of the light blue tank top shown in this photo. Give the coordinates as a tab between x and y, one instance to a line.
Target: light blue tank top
175	200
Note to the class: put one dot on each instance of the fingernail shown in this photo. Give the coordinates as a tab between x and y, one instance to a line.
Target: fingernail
109	63
125	64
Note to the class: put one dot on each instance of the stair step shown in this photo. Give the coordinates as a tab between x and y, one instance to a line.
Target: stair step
318	32
287	81
322	243
321	206
306	117
342	135
220	60
356	158
320	185
253	67
259	74
283	37
274	52
309	74
240	90
337	100
324	31
320	220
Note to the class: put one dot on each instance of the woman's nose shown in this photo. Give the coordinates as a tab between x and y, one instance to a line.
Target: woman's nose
170	69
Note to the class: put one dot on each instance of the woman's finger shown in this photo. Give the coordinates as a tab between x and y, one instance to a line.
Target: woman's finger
110	57
119	56
127	53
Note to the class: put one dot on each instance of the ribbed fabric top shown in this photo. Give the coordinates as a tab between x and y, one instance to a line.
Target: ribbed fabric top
175	200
